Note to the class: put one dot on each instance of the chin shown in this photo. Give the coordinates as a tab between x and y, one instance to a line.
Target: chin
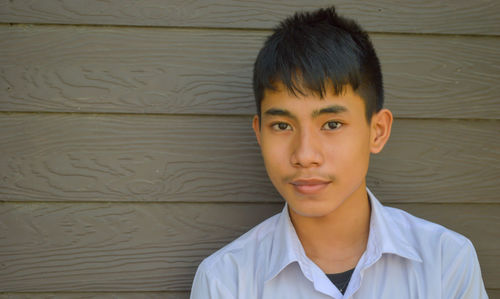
312	209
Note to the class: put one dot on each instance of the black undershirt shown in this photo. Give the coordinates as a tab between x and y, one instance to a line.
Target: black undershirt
341	280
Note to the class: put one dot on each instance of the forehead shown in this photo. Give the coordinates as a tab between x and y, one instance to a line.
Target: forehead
347	101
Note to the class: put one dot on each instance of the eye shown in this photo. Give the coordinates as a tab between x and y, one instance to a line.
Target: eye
331	125
281	127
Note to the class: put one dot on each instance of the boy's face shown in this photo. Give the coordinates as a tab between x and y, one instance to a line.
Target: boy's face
316	151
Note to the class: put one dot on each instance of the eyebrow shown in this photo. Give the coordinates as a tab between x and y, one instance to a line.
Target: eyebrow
279	112
335	109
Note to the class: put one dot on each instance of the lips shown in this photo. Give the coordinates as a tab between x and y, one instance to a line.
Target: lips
309	186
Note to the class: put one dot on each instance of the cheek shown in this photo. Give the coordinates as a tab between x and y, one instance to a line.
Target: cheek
273	155
273	147
348	152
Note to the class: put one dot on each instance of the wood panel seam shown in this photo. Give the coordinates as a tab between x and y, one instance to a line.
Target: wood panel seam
236	29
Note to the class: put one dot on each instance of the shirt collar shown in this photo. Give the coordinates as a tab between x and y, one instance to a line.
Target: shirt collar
385	236
286	247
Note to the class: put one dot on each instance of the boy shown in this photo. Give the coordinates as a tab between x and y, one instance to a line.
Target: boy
319	95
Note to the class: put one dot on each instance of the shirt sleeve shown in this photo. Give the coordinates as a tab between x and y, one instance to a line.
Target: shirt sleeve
206	286
462	274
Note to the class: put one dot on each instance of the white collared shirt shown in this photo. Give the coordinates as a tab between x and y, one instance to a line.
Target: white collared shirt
405	257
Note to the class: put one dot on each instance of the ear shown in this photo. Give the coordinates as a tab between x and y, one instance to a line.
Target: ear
381	125
256	127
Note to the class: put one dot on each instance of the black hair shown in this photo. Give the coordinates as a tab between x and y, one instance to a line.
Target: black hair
311	51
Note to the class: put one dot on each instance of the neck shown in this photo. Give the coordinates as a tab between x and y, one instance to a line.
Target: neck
336	242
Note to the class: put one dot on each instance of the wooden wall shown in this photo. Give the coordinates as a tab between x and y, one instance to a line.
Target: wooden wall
126	150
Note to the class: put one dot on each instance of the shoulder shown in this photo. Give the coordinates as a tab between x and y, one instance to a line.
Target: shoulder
221	274
438	247
424	234
446	256
240	257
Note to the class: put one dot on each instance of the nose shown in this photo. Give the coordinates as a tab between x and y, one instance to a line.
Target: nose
306	150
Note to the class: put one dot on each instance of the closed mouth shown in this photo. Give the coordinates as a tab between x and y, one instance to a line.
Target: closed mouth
309	186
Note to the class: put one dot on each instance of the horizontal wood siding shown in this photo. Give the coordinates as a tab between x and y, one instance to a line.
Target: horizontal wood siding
88	69
427	16
156	247
127	155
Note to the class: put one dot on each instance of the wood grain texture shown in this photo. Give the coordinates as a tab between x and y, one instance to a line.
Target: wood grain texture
59	157
138	158
100	247
114	247
450	16
440	77
155	70
493	293
439	161
94	295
